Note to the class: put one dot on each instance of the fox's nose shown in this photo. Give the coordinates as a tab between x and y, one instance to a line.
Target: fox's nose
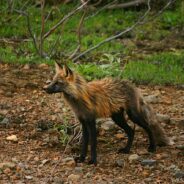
45	87
47	84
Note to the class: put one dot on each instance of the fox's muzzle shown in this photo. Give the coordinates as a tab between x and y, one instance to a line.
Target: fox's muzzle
52	88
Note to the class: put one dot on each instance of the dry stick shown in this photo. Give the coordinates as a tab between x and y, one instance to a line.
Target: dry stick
115	36
101	9
79	34
139	22
42	27
128	4
63	20
26	14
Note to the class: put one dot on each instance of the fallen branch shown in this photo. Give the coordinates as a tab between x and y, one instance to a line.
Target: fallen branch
63	20
141	21
26	14
127	5
79	34
42	27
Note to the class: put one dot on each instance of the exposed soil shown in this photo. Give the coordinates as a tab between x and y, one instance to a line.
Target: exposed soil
23	106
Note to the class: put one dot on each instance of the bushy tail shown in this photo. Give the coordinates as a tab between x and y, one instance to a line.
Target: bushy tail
150	116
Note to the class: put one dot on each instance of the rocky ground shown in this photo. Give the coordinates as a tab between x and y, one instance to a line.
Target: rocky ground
31	149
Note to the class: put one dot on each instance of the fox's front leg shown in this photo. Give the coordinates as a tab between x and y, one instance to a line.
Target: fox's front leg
85	140
93	142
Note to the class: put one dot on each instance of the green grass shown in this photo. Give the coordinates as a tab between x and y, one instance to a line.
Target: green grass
157	68
165	68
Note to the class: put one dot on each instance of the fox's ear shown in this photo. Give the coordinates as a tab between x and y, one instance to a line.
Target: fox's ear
58	67
67	71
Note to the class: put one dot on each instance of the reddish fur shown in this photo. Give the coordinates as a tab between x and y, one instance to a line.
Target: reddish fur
104	97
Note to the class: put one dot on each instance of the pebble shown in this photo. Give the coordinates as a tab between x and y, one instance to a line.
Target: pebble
148	162
181	147
179	174
5	121
12	138
119	136
152	99
133	157
119	163
74	178
163	118
69	161
26	67
78	169
43	66
4	165
107	125
29	177
7	171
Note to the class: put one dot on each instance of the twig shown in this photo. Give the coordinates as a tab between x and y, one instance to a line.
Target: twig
128	4
115	36
101	9
58	162
42	27
139	22
63	20
26	14
79	34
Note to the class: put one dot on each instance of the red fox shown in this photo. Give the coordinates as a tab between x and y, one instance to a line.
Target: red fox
106	98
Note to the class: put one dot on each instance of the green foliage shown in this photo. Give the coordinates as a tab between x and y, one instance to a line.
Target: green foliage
160	68
164	68
63	132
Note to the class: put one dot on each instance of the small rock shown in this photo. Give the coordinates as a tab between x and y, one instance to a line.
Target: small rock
179	174
7	171
29	177
26	67
119	163
12	138
163	118
78	169
58	180
43	66
74	178
162	156
5	121
69	161
133	157
181	124
107	125
152	99
173	167
119	136
148	162
181	147
6	165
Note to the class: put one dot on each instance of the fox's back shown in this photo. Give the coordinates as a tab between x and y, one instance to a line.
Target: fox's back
110	95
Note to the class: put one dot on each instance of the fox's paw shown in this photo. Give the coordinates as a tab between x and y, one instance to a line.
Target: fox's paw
124	150
152	149
79	159
92	162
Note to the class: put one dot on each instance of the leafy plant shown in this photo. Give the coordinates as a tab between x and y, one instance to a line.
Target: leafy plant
63	130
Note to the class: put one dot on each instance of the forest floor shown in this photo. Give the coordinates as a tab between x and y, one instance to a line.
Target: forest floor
36	155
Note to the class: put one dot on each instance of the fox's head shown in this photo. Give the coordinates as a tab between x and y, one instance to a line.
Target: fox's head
62	80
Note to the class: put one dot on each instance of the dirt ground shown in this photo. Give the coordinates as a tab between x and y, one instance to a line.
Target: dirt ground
35	154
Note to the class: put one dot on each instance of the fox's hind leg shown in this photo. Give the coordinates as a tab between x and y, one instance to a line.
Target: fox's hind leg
119	119
138	119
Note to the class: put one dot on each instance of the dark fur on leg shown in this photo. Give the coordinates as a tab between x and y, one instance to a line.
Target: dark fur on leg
137	118
85	140
119	119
